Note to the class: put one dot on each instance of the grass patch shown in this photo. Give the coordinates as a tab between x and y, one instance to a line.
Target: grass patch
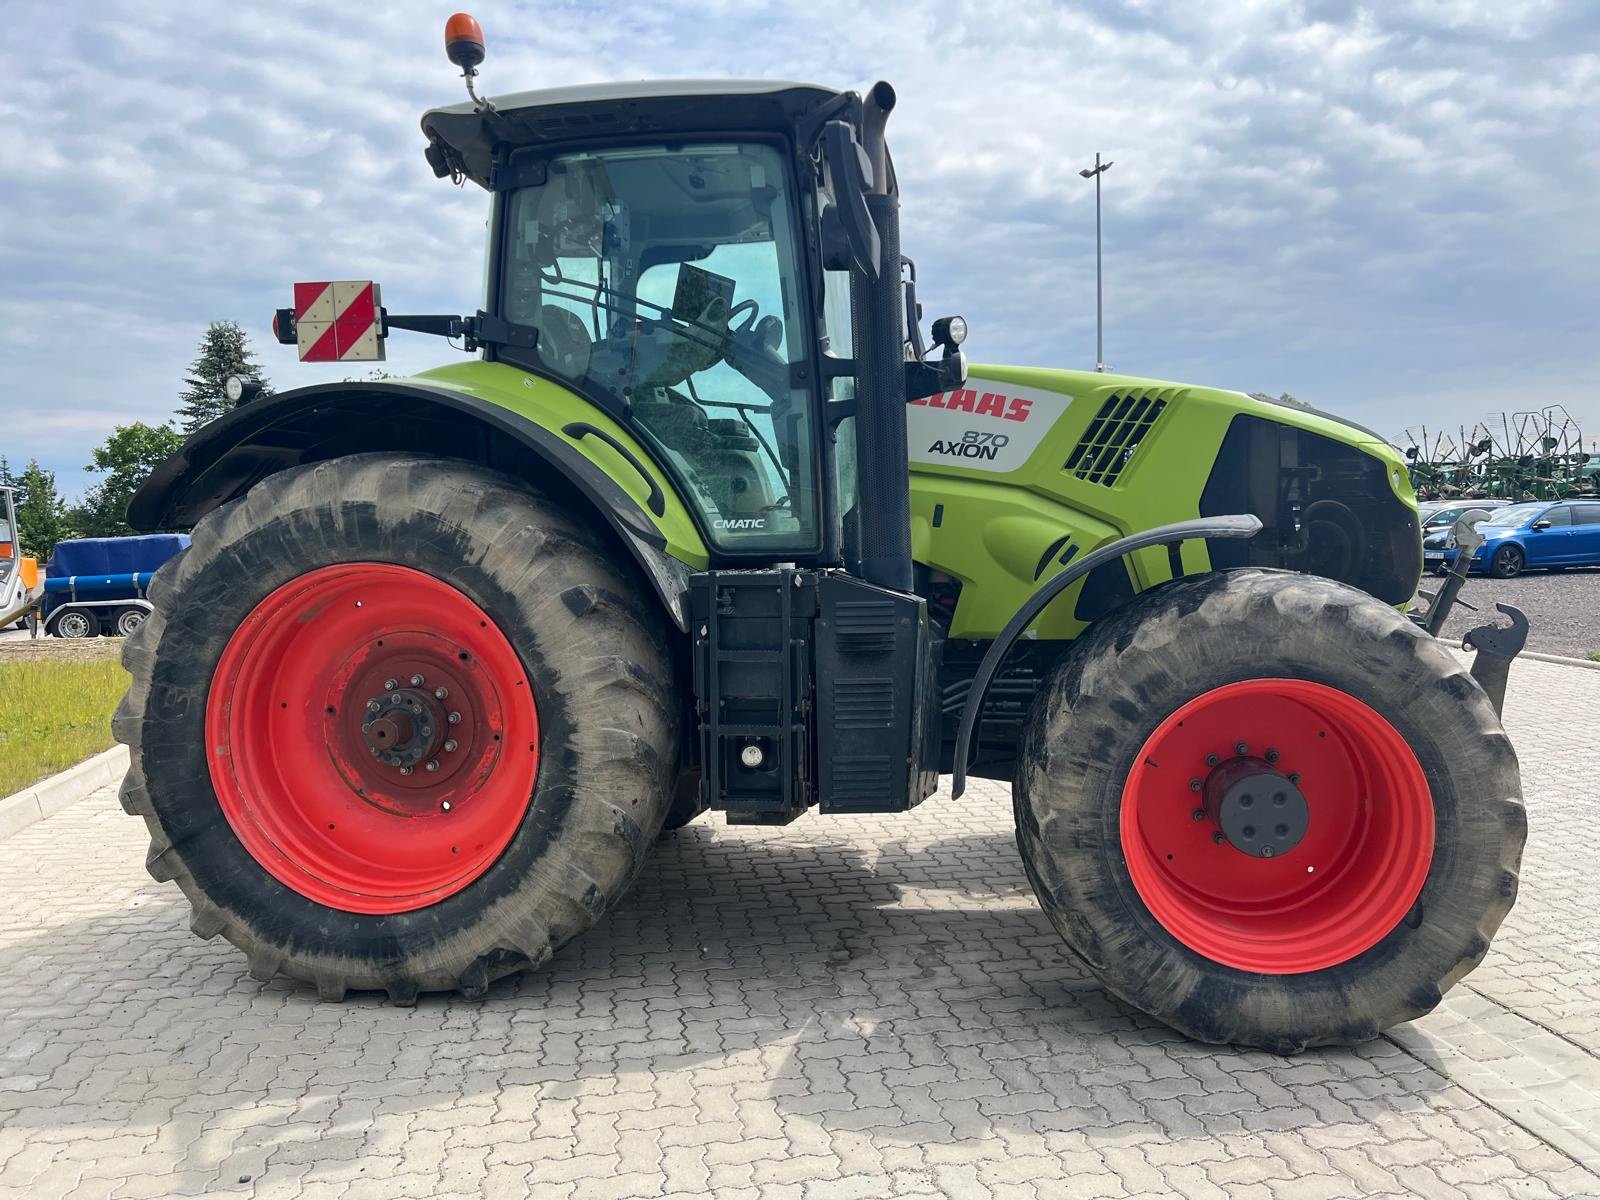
1594	656
55	711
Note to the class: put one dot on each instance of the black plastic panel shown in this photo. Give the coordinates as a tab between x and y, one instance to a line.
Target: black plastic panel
829	680
876	703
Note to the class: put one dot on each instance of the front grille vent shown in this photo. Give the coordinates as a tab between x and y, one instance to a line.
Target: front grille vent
1107	446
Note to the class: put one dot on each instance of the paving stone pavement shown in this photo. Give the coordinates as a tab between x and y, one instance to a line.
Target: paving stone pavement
846	1008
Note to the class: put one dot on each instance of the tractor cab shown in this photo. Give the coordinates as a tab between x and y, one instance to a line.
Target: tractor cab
676	254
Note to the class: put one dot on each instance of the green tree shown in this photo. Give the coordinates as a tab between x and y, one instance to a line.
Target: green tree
41	513
126	459
224	351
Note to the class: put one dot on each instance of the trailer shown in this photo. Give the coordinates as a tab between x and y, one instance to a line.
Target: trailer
95	587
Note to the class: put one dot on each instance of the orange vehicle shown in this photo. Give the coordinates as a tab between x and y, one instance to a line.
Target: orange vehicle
20	591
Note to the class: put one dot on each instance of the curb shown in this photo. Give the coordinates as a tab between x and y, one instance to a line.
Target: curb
1560	660
50	796
1586	663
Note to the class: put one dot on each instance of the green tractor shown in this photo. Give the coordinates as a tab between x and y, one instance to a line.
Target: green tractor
707	523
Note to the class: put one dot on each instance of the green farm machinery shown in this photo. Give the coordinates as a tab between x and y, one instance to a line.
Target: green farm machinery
709	522
1535	455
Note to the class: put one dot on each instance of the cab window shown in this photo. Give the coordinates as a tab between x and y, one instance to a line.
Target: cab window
664	280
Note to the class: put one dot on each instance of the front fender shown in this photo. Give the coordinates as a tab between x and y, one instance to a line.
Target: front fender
480	412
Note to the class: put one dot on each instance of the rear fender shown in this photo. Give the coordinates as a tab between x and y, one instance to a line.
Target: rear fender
224	459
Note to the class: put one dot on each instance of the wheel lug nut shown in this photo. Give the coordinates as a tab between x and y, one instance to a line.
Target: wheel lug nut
1294	776
416	681
1266	852
1212	760
433	764
440	693
405	770
1272	755
389	685
1241	748
449	745
1198	814
374	752
455	718
1219	837
1195	785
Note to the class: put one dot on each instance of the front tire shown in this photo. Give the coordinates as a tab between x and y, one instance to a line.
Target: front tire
1508	562
291	637
1412	824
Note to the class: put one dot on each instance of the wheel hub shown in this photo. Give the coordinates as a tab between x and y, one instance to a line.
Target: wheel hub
403	728
1260	810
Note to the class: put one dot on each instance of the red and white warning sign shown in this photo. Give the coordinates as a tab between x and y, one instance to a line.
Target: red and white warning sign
338	322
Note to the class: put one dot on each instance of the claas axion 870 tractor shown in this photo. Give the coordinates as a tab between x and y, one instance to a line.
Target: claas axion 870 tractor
708	523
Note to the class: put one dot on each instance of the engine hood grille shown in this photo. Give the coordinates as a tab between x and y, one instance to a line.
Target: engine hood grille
1107	446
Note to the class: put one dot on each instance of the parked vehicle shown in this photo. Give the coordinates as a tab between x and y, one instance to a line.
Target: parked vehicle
96	586
19	576
1439	528
1539	534
1436	516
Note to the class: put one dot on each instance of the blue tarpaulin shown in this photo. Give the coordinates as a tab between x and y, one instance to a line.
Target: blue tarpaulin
107	568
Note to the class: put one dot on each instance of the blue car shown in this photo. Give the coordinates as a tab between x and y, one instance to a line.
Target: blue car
1548	534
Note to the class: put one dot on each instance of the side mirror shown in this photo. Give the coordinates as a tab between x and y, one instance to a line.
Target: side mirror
849	236
1540	525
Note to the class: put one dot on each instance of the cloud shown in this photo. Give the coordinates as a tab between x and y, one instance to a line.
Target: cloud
1388	210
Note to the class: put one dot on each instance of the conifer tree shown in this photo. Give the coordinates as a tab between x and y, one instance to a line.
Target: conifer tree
224	351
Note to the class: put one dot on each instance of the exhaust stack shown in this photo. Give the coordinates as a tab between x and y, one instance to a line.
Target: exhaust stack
878	305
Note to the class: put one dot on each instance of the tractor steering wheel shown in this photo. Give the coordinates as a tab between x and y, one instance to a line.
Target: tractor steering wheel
748	323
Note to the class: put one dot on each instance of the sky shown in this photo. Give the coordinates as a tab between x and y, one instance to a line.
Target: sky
1391	211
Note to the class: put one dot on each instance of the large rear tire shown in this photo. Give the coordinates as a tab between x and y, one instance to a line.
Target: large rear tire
1264	690
441	721
685	805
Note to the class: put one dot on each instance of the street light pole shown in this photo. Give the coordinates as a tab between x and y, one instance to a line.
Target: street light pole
1099	308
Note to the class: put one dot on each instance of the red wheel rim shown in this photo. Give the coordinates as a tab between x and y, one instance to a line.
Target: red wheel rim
323	717
1355	873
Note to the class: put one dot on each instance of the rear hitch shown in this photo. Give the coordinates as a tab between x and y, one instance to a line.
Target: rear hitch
1496	646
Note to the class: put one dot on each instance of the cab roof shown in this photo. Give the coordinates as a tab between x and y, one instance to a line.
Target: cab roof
470	139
